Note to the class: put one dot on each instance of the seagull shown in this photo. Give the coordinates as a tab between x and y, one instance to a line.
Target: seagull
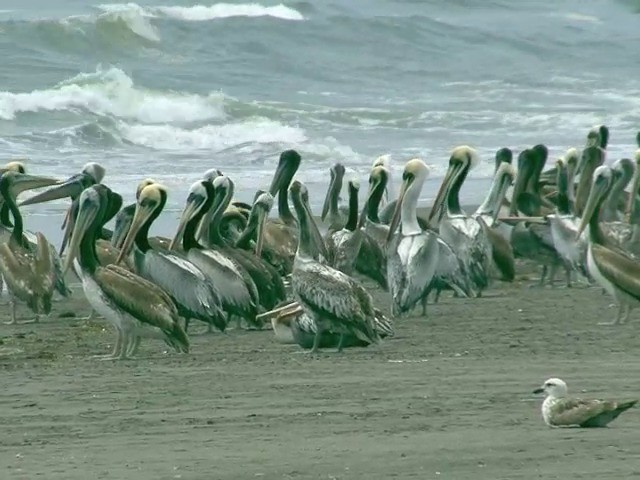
560	410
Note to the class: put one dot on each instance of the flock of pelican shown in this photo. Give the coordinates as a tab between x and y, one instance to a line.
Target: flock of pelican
230	261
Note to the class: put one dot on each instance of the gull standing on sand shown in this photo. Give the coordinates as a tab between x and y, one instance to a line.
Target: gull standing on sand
560	410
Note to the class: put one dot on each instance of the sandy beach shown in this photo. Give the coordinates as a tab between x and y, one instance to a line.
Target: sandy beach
448	397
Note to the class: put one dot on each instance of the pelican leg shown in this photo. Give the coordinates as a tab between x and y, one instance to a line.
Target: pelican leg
619	318
552	274
126	341
316	340
117	347
543	275
424	307
12	302
567	271
340	343
134	346
437	297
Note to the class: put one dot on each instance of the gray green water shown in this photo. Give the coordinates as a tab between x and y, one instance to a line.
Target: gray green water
170	88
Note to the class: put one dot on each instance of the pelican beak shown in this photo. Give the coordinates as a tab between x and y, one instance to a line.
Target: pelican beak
68	225
73	187
525	165
331	192
538	390
139	218
395	219
507	181
451	175
317	236
278	178
86	216
262	216
192	207
122	226
365	208
23	181
598	190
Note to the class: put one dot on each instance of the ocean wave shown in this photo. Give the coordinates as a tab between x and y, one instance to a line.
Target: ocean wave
247	134
112	92
131	16
199	13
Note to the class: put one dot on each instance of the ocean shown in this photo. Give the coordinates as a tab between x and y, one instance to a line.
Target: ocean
170	88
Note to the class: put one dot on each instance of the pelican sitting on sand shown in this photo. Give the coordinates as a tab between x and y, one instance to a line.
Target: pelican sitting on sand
334	301
560	410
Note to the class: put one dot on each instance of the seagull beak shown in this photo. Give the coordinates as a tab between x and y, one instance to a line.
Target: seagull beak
539	390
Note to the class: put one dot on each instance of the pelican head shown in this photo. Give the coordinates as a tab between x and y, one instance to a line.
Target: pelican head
198	201
378	179
601	183
211	174
91	207
14	166
413	177
286	169
92	173
461	161
224	188
336	171
15	182
504	155
554	388
598	136
150	202
624	169
310	240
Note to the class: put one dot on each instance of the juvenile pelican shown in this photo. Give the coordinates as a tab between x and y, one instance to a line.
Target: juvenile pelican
136	307
29	273
332	299
343	245
615	270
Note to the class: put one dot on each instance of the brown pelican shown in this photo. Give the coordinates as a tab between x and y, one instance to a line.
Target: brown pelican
124	218
592	157
418	260
238	295
343	245
194	294
337	218
28	272
267	281
564	223
624	171
332	299
462	232
531	240
136	307
496	232
92	173
613	269
281	234
6	226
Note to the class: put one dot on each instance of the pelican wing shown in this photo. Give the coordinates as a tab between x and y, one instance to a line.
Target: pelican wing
620	269
332	294
576	411
542	232
182	280
412	262
451	270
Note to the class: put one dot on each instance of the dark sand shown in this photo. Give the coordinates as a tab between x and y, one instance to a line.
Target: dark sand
447	398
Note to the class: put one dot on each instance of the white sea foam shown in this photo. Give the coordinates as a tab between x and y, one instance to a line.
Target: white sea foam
112	92
199	13
213	137
135	17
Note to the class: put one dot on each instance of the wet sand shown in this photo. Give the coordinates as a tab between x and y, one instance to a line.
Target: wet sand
448	398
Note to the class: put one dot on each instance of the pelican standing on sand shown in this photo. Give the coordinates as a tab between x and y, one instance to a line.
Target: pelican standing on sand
136	307
560	410
334	301
613	269
29	273
417	260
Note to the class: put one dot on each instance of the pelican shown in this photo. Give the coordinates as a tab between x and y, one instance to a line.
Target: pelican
343	245
29	273
624	171
267	281
337	219
417	260
463	233
238	295
192	291
5	232
281	234
496	232
564	224
332	299
136	307
613	269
